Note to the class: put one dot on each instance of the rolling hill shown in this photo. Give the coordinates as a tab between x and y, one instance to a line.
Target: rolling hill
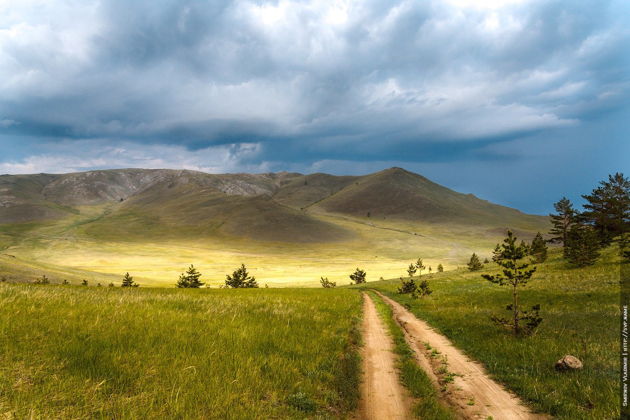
289	227
266	207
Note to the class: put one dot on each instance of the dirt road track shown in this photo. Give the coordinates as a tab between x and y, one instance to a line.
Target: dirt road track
473	393
383	396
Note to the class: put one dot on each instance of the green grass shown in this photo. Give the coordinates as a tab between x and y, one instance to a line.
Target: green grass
580	308
428	405
85	352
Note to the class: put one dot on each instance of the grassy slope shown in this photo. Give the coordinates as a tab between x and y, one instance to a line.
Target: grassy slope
580	308
78	352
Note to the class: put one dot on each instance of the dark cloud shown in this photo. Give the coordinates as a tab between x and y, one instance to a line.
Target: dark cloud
309	81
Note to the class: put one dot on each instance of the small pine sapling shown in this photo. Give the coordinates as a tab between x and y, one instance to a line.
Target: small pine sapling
327	284
240	279
474	264
358	276
190	279
516	273
128	281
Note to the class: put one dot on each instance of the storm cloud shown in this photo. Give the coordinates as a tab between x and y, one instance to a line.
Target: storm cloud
345	86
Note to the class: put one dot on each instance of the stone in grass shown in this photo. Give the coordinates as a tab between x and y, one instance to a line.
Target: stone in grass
569	362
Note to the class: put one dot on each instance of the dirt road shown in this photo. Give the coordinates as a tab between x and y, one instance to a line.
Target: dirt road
383	396
472	392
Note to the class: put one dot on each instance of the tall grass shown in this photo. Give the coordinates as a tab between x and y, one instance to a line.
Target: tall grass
79	352
580	308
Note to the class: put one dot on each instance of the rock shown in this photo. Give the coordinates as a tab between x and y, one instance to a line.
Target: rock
569	362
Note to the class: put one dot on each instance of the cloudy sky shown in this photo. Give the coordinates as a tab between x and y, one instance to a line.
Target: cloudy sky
517	101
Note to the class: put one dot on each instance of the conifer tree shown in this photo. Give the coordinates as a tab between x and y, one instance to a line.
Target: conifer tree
424	289
496	254
539	249
127	281
327	284
583	245
516	273
474	264
420	266
240	279
608	208
358	276
42	280
190	279
440	268
407	286
562	221
411	270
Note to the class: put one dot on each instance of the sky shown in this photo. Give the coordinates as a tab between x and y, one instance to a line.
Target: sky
519	102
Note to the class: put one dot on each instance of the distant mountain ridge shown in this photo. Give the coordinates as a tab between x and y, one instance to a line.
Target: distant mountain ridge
270	207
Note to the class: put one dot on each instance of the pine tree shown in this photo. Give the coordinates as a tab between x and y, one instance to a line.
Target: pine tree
608	208
420	266
474	264
411	270
42	280
407	286
190	279
539	249
127	281
424	289
327	284
526	247
583	245
358	276
516	273
562	221
440	268
496	254
240	279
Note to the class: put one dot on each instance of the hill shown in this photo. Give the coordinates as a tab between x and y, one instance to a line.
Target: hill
267	207
288	227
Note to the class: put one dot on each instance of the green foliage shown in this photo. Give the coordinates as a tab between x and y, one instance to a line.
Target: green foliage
420	266
424	289
538	249
496	253
562	221
415	290
358	276
128	281
516	273
582	246
408	286
608	207
474	264
42	280
411	270
327	284
440	268
190	279
240	279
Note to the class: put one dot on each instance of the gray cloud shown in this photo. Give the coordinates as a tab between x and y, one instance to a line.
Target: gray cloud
306	81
